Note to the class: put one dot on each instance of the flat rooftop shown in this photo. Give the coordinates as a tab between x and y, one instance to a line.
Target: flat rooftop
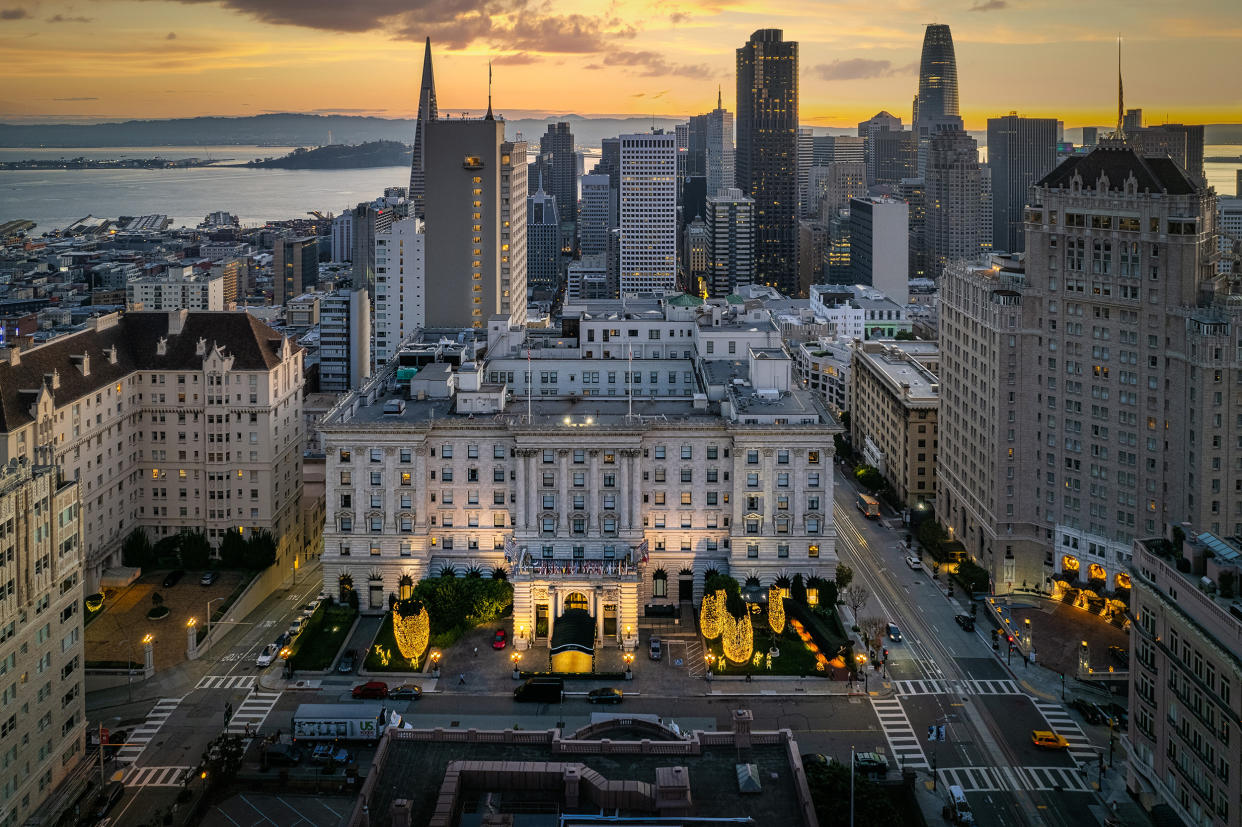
414	770
545	412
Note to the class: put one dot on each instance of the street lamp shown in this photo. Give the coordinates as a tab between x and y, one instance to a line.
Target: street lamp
515	657
1028	634
709	659
628	657
435	662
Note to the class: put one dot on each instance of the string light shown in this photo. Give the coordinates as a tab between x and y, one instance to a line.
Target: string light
710	614
411	626
737	639
776	610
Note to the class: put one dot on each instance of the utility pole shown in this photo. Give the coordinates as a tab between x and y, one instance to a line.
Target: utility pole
851	785
102	782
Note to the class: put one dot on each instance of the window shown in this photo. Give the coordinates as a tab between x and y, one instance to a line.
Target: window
407	455
548	457
782	479
687	452
685	498
752	457
752	480
377	455
812	525
377	478
812	550
472	451
782	457
782	550
687	475
812	480
659	452
549	502
752	550
812	457
659	584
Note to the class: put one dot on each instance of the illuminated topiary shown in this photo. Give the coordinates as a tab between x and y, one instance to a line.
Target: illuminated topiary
711	614
411	626
737	639
776	610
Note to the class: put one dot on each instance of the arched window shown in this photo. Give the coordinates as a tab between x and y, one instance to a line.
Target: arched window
345	585
659	583
405	587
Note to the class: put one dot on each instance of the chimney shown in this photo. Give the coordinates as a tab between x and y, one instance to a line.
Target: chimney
176	321
12	355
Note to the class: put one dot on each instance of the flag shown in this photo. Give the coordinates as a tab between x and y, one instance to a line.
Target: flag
642	551
511	548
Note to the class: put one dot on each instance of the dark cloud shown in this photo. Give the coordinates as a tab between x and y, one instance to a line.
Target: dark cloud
75	99
990	5
171	36
860	68
653	64
60	18
340	110
679	17
519	59
16	13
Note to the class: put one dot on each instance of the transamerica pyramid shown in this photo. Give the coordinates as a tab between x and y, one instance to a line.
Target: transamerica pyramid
426	112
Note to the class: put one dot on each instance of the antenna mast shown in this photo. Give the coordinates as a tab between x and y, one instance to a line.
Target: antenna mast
489	116
1121	96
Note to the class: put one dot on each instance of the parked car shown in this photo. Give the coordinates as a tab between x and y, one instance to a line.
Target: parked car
499	639
371	689
406	692
349	661
281	641
894	633
208	578
268	655
108	798
173	577
1048	740
914	562
295	628
1089	711
605	695
657	649
540	690
309	609
811	758
1120	715
965	621
282	755
870	762
326	752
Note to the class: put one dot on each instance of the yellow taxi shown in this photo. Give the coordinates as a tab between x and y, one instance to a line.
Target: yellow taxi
1048	740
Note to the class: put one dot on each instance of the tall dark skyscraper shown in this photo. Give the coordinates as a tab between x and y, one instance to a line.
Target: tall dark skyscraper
1021	151
560	169
935	105
767	152
426	112
937	75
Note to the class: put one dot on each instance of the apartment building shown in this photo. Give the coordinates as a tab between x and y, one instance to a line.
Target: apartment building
400	284
178	289
1185	741
896	401
679	462
42	734
168	421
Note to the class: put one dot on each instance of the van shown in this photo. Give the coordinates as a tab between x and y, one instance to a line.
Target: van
957	810
540	690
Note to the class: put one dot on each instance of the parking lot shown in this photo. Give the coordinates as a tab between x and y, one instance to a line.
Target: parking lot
253	809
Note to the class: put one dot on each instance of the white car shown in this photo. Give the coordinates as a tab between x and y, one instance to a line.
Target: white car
295	628
266	657
914	562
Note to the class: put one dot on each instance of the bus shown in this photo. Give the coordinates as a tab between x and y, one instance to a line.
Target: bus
868	505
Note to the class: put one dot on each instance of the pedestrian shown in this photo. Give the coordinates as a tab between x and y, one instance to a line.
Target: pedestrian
461	679
476	651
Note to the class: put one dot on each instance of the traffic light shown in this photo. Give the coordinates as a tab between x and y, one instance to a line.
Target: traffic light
885	653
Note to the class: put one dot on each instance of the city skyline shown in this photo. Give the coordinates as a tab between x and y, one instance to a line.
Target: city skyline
172	59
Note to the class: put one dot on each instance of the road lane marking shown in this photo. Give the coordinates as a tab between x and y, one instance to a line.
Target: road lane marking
226	682
902	741
155	776
141	736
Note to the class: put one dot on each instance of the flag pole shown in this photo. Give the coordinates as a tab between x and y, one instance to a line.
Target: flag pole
530	380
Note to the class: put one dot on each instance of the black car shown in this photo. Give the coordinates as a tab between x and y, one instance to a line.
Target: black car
208	578
172	577
605	695
406	692
1119	714
1089	711
965	621
348	661
108	798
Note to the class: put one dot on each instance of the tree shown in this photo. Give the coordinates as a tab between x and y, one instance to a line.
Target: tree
260	549
136	550
872	630
869	478
855	597
843	578
798	590
233	550
829	785
195	550
905	336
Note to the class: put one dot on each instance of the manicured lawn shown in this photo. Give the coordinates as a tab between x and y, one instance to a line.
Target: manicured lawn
385	641
325	632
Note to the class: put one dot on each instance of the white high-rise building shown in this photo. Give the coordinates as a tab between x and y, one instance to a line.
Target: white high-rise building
648	213
400	281
180	288
343	237
721	167
345	340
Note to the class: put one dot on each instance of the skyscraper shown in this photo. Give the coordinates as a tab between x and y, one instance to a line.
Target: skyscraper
648	253
295	267
369	221
879	245
806	152
345	340
1020	152
400	286
475	223
721	166
767	151
426	112
597	215
543	242
894	156
830	148
730	227
880	121
935	106
560	170
952	225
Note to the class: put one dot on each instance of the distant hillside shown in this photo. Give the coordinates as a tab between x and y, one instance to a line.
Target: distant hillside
288	130
337	156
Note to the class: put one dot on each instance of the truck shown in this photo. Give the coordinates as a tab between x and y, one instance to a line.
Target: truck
339	722
868	505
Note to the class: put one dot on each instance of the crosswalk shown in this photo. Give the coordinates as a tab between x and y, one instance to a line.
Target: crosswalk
253	711
1010	779
1059	721
902	741
137	740
226	682
941	686
155	776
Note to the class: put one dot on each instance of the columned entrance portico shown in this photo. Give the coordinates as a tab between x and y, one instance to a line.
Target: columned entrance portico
610	600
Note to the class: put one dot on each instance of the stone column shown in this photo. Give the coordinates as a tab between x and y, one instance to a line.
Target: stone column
636	487
623	474
615	596
599	615
532	490
421	502
522	484
593	489
563	505
553	611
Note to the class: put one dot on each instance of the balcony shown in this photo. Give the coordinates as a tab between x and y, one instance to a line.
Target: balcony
577	569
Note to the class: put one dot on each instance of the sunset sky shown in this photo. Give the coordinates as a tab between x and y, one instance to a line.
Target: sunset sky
174	58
